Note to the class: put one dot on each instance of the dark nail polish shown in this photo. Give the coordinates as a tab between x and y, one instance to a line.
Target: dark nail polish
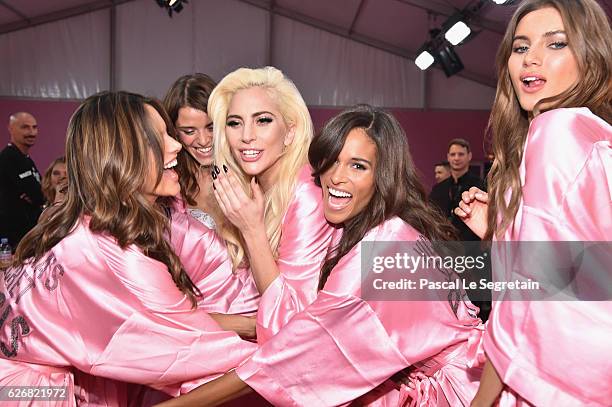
214	174
257	182
217	169
224	168
214	187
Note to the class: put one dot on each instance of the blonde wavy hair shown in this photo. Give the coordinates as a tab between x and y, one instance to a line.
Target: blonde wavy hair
295	114
590	39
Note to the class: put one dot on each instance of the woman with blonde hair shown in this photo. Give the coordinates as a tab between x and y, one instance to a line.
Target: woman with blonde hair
266	190
186	103
551	182
99	289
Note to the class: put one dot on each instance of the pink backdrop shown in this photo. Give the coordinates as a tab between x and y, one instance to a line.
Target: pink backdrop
428	131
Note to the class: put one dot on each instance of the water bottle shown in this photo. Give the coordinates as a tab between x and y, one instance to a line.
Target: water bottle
6	254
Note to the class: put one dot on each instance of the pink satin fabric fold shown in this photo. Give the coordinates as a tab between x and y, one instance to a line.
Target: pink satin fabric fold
342	349
204	257
115	314
553	352
305	239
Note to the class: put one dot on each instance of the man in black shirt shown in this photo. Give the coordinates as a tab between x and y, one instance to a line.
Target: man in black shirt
447	194
21	198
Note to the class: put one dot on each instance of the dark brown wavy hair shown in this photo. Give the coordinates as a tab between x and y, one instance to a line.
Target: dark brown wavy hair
590	40
109	144
398	190
192	91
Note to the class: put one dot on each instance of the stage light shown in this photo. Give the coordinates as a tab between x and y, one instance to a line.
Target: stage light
449	60
172	5
424	60
457	33
501	1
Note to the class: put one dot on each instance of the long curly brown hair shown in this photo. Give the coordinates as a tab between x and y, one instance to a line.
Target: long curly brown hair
109	144
590	39
398	190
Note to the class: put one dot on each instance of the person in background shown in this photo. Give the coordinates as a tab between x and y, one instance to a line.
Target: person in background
186	103
447	194
54	186
441	171
551	181
21	197
54	182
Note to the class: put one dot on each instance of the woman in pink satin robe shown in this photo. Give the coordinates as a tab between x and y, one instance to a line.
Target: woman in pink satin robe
262	133
96	289
551	182
186	103
344	346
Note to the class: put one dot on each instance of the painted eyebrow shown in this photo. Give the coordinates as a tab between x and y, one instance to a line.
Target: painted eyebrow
237	116
546	35
361	160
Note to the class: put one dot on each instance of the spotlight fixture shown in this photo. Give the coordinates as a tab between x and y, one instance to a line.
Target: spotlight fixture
507	2
424	60
438	50
457	33
455	28
449	60
172	5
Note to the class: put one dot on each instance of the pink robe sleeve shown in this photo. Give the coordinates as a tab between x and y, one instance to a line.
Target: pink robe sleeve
306	237
114	314
204	256
567	196
341	346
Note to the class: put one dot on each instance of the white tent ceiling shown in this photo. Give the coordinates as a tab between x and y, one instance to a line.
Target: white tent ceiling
396	27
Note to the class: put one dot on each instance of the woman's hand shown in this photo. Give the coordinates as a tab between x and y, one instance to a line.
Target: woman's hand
243	326
246	213
473	209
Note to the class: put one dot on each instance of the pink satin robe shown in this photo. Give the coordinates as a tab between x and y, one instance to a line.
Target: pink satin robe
554	353
305	239
341	347
117	314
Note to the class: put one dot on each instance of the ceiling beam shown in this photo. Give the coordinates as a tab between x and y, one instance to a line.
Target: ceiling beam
356	17
14	10
446	10
59	15
372	42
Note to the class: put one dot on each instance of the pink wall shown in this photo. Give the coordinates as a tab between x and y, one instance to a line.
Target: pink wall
428	131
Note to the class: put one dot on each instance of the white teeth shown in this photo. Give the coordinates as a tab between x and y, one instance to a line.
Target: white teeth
171	164
204	150
338	194
530	79
250	153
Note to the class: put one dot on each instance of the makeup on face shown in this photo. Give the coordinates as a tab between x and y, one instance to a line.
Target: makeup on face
169	183
195	129
349	184
542	63
256	133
